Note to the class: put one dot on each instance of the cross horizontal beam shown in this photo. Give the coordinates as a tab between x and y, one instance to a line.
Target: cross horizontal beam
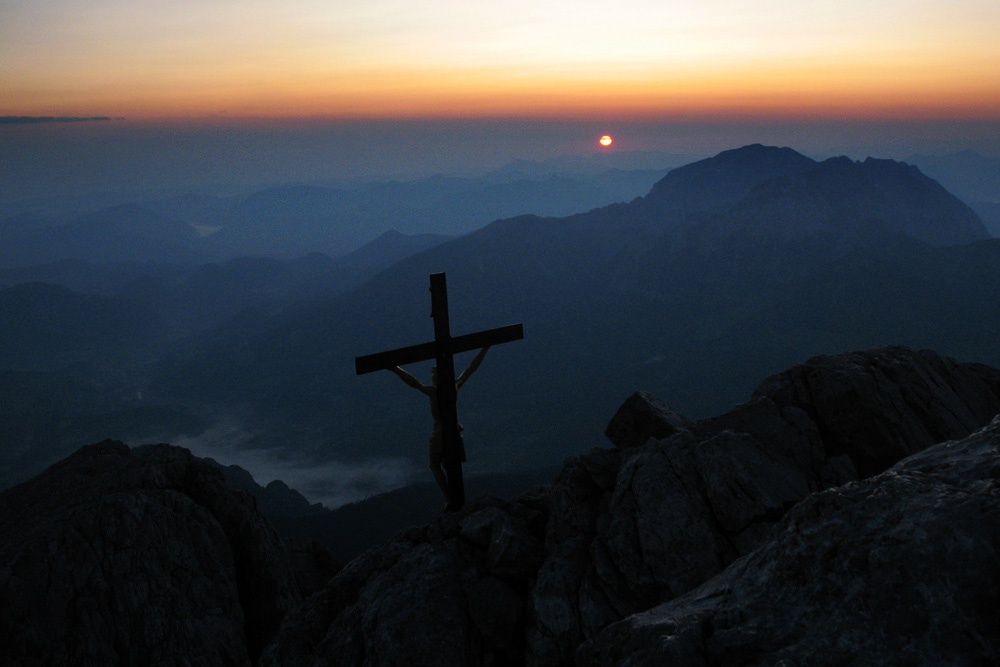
425	351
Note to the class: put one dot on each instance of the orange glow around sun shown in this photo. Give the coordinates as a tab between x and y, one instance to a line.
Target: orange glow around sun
606	140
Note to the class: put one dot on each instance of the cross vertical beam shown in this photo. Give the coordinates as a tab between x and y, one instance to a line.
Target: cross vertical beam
442	349
447	395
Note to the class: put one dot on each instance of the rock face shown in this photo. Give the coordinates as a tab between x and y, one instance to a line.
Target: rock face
786	529
898	569
861	402
641	417
451	593
110	557
276	500
623	530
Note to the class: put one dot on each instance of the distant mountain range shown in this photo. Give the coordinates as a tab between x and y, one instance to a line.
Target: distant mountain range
285	222
729	269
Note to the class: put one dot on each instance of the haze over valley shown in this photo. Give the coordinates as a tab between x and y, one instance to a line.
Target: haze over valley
228	324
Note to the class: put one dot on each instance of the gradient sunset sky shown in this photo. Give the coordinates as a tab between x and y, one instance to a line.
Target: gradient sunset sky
220	93
630	59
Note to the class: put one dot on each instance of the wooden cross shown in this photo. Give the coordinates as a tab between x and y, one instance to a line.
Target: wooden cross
442	349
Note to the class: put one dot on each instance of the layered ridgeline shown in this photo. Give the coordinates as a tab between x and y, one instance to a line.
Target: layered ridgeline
818	522
730	269
289	221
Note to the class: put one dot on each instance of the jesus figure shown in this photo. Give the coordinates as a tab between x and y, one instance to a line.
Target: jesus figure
436	441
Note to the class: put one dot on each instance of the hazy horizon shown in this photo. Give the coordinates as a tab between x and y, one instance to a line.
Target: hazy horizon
123	159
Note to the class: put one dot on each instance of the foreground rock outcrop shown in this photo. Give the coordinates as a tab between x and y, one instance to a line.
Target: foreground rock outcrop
113	557
621	531
899	569
784	529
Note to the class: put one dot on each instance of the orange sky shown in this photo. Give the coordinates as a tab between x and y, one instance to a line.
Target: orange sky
636	59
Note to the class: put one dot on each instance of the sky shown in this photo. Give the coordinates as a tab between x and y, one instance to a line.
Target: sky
396	58
254	87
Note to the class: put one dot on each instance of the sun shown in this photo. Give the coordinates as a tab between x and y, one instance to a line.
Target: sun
606	140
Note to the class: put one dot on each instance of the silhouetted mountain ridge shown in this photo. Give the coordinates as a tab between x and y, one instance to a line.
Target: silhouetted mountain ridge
723	179
820	257
777	191
696	305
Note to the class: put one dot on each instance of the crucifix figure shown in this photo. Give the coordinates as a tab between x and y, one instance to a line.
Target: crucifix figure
443	390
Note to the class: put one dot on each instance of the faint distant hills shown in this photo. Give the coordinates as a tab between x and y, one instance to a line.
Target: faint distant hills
117	234
290	221
727	270
606	163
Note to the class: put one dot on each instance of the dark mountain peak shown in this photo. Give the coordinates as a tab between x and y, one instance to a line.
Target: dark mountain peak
840	162
892	170
276	499
848	198
927	210
724	179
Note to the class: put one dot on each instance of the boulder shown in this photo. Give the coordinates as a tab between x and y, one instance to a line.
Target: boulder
900	568
643	416
681	509
109	557
622	531
879	406
450	593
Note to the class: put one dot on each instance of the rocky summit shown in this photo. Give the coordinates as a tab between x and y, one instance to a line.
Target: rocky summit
567	572
898	569
115	557
846	514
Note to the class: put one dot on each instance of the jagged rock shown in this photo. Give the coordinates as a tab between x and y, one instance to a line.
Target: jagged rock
110	557
276	500
683	508
898	569
579	497
622	530
113	556
451	593
312	563
880	406
641	417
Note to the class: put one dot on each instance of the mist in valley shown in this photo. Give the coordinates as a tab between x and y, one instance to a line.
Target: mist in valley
210	286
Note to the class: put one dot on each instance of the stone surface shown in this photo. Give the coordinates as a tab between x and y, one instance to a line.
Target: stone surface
683	508
623	530
877	407
641	417
451	593
897	569
114	558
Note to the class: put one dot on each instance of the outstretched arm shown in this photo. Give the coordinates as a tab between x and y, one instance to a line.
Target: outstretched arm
410	380
467	373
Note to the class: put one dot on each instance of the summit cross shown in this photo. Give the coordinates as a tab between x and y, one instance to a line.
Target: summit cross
442	349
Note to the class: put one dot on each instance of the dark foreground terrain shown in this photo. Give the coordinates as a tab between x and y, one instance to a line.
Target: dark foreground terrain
848	513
